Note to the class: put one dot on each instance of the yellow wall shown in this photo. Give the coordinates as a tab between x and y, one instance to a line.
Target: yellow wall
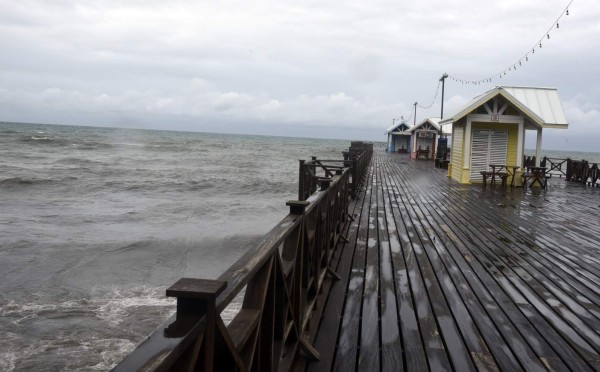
461	174
456	162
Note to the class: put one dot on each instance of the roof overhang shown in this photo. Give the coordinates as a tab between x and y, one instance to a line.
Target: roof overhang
541	106
395	126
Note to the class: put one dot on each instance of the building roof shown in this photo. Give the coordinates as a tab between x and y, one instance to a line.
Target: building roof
541	105
434	122
395	126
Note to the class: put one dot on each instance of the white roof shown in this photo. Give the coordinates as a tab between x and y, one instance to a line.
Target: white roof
541	105
435	122
396	126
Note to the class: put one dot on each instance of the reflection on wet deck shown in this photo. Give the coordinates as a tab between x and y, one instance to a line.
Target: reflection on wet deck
439	275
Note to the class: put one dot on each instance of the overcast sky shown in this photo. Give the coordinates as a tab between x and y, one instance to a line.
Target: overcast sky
333	69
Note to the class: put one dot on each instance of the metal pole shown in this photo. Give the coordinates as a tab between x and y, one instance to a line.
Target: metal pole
443	80
415	119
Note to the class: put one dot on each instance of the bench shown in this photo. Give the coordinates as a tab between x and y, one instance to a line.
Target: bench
503	176
540	179
442	163
423	153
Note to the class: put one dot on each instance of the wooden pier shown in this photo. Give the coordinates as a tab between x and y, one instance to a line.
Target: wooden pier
422	273
443	276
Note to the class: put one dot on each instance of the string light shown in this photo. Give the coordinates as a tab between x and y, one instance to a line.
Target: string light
433	100
526	56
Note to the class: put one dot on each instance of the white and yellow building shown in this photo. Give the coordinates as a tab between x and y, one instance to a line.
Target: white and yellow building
491	129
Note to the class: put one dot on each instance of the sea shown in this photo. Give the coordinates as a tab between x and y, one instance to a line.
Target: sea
95	224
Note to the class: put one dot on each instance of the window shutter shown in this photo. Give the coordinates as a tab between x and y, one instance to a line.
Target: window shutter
488	147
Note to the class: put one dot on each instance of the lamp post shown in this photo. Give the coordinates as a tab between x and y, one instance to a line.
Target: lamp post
441	135
415	118
443	80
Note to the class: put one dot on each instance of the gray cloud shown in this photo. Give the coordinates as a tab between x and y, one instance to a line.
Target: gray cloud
327	69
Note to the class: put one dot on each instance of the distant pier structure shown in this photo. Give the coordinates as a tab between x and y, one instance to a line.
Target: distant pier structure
411	271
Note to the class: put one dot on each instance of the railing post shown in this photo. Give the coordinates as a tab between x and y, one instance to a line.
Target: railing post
324	183
297	206
301	181
354	179
195	297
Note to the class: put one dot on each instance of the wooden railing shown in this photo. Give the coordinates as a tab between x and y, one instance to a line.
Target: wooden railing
556	167
360	153
582	171
313	171
284	280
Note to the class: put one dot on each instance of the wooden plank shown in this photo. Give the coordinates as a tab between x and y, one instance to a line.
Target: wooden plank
329	327
347	353
413	347
488	316
567	323
473	238
430	335
369	357
391	345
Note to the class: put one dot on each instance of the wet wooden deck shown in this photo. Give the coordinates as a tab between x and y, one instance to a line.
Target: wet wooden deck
443	276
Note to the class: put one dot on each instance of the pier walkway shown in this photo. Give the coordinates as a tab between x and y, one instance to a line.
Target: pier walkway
443	276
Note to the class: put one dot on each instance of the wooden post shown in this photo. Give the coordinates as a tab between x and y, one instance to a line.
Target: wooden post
297	206
301	182
354	179
195	296
324	183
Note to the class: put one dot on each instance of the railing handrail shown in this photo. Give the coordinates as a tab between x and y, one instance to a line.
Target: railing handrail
357	158
310	231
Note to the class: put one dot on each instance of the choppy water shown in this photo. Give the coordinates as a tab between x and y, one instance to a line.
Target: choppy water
592	157
95	223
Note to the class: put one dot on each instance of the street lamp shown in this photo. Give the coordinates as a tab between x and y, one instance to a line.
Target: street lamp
415	118
443	79
441	135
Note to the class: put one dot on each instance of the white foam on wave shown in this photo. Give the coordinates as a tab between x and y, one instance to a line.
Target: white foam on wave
83	333
8	361
115	307
90	354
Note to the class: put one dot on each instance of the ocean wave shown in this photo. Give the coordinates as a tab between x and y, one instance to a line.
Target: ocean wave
93	145
20	181
80	144
100	348
78	161
225	186
44	140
